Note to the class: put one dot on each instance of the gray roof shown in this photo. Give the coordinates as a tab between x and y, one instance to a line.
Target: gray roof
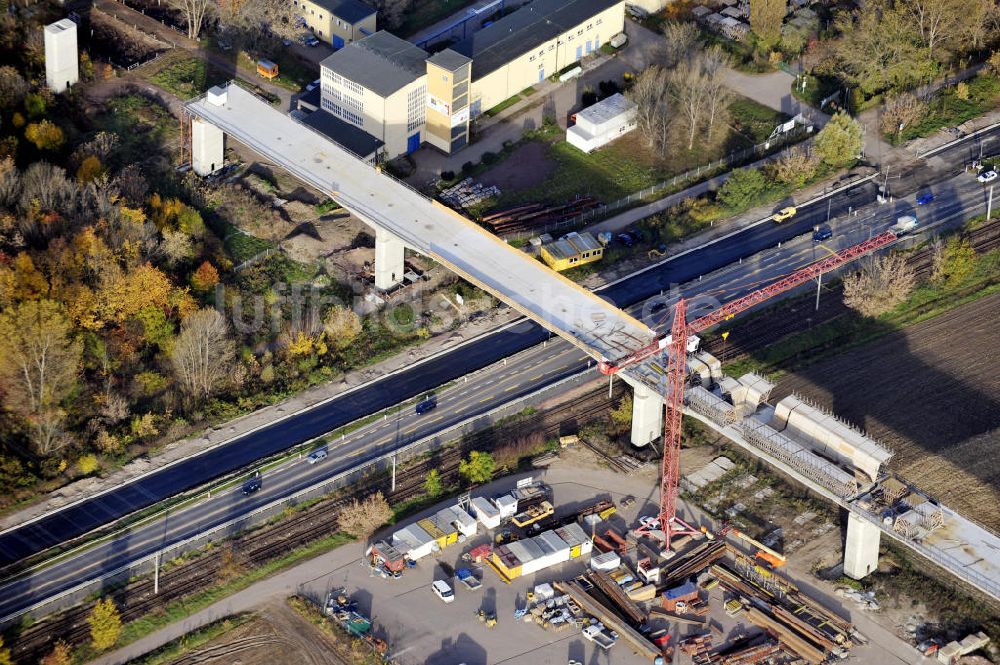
351	11
448	59
382	63
523	31
354	139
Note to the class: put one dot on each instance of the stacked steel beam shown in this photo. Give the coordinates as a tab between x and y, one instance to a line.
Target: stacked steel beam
533	216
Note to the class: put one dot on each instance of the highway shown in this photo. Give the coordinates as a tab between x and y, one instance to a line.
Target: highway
727	269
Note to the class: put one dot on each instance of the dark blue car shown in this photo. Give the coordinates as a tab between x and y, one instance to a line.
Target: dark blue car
925	198
426	405
822	233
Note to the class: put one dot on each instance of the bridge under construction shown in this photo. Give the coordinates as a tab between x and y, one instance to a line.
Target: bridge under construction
654	365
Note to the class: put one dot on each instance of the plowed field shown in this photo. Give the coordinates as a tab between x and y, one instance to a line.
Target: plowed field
932	394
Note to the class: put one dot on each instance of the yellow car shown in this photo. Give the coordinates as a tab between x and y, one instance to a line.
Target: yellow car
784	213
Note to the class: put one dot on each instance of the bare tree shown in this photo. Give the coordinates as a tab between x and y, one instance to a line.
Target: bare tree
39	365
941	23
901	111
680	42
766	17
253	23
195	12
203	354
362	518
649	93
713	63
795	166
882	283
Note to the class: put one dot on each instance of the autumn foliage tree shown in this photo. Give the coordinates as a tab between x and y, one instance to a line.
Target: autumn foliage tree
342	326
105	624
60	655
205	277
882	283
45	135
477	468
840	142
39	365
766	18
362	518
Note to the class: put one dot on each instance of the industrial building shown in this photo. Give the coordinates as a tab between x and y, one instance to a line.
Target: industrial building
402	96
378	84
572	250
62	60
602	123
337	22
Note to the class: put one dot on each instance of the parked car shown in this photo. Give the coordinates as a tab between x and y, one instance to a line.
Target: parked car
310	40
987	176
784	213
626	239
925	198
650	522
224	45
312	86
443	591
252	484
821	233
318	455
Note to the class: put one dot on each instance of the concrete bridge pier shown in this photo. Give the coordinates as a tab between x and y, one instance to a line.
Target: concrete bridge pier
861	547
388	259
207	147
647	415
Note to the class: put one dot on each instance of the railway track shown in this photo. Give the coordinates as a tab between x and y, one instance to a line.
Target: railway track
759	330
259	546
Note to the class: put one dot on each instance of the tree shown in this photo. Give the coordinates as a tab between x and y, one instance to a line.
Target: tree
195	12
45	135
649	94
840	142
362	518
621	416
39	365
902	111
882	283
698	92
105	624
766	17
958	260
433	484
478	468
90	168
879	49
13	87
795	167
941	24
205	277
342	326
5	658
60	655
680	43
203	353
252	24
742	188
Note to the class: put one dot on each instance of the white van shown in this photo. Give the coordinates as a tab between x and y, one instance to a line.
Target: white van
443	591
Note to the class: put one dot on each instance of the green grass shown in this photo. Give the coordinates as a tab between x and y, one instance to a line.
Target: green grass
173	650
241	246
185	607
817	89
326	207
142	125
628	165
946	109
927	301
504	105
188	77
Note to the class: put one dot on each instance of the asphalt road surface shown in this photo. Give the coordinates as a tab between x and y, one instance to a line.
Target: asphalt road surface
726	269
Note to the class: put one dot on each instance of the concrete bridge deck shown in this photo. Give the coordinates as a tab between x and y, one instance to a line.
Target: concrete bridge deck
422	224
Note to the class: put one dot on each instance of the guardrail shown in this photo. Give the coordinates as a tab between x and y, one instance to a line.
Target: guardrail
381	462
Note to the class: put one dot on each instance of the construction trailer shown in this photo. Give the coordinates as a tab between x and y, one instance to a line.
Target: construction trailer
415	542
524	557
686	593
486	512
383	554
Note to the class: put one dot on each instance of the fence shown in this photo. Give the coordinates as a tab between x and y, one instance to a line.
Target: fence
676	183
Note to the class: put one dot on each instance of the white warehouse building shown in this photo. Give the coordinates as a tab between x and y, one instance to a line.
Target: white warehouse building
602	123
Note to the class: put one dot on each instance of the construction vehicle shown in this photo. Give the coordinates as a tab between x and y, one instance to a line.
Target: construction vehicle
904	224
657	252
677	345
489	618
771	558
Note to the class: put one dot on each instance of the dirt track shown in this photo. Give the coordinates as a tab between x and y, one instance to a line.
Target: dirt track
932	393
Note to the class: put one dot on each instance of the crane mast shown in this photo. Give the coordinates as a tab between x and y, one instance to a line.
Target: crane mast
676	347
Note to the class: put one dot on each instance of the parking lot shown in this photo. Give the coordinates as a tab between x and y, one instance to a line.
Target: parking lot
421	628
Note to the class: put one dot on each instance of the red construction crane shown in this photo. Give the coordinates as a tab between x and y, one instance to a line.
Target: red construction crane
676	345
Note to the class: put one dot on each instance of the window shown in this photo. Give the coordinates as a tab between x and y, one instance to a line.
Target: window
321	17
599	21
586	255
416	105
531	59
570	38
444	77
320	31
353	87
551	46
589	26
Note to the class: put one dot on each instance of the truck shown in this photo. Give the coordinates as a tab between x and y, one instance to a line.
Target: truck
468	578
904	224
599	635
